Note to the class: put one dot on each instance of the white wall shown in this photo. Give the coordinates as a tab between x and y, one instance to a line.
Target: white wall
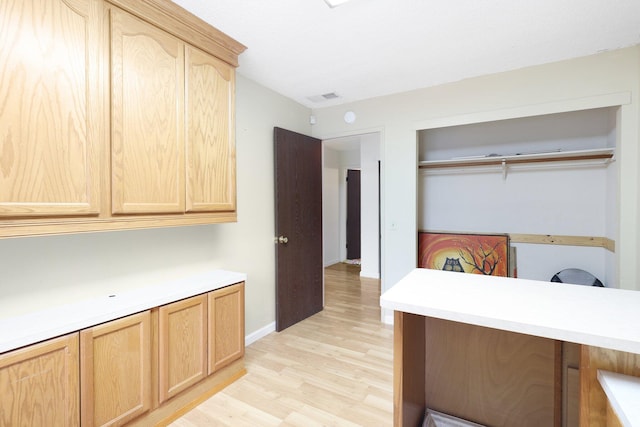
612	201
599	80
38	268
553	201
579	130
330	215
248	245
369	232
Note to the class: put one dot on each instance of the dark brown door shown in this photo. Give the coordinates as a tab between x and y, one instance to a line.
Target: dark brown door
353	214
298	212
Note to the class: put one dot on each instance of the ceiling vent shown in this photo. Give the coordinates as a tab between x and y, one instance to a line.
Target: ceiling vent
323	97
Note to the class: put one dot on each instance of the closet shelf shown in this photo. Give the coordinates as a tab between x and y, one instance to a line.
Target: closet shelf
599	154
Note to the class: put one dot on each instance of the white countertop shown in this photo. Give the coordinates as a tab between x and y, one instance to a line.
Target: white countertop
602	317
42	324
623	392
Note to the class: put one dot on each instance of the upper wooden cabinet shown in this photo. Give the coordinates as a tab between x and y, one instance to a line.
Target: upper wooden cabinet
211	159
49	128
147	117
122	116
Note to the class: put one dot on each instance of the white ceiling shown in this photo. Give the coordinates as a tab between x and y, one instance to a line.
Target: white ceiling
369	48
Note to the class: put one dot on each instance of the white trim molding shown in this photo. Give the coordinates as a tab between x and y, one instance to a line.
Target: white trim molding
260	333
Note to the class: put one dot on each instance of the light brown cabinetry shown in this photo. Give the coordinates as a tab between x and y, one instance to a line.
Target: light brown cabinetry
115	371
147	117
226	326
594	411
40	385
612	418
143	369
488	376
123	117
210	147
183	345
497	377
49	127
172	123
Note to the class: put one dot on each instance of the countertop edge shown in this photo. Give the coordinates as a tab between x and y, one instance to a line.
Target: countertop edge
623	393
433	298
41	325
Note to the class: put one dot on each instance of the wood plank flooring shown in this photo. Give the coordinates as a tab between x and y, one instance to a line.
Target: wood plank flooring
332	369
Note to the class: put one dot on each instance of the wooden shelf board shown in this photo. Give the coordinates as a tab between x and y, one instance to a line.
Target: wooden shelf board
548	239
603	154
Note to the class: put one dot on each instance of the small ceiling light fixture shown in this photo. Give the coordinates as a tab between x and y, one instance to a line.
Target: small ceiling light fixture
349	117
335	3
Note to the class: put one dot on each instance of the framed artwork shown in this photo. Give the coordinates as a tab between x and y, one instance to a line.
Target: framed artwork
486	254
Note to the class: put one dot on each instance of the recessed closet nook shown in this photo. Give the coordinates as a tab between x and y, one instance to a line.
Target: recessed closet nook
549	181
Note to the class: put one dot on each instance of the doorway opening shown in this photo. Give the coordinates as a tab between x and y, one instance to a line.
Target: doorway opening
353	216
358	154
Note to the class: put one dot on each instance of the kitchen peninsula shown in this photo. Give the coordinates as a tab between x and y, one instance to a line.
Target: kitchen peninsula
489	349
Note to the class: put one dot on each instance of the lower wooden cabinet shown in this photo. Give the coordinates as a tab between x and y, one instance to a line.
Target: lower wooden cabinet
115	371
226	326
182	342
140	369
39	384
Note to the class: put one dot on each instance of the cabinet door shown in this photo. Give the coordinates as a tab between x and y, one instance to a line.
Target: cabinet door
147	112
115	371
48	120
210	144
39	384
183	345
226	326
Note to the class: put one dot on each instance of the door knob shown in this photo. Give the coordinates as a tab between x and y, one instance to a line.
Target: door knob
283	239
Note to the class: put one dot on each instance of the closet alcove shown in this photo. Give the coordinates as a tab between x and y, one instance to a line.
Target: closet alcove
549	181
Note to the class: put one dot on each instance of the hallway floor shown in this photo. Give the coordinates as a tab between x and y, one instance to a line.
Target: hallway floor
332	369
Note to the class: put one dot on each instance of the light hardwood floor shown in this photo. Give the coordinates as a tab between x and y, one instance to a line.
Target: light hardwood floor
332	369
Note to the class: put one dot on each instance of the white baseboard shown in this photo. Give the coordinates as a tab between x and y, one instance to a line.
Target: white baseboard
331	262
260	333
369	274
387	316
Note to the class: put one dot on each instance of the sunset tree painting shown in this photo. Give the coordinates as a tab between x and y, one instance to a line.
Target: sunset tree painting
469	253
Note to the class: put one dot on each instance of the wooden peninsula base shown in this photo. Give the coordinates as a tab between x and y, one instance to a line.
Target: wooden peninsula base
497	356
488	376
